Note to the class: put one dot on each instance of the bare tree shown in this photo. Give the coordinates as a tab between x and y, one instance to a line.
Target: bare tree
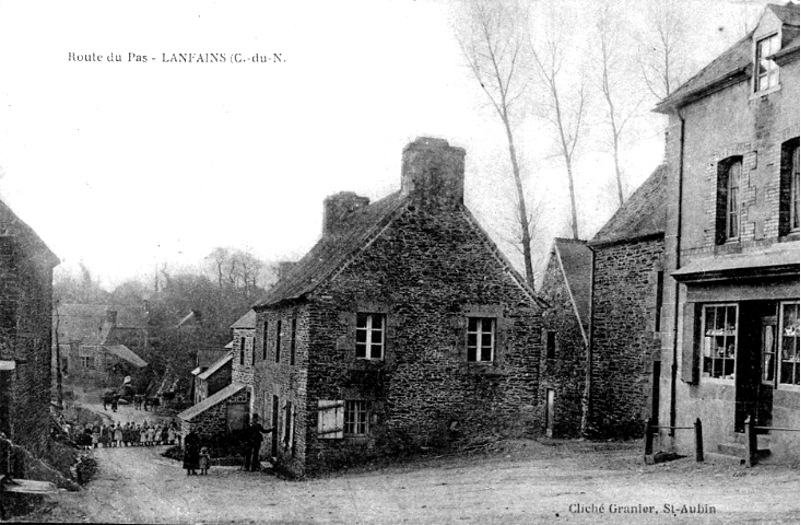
564	110
663	53
493	42
609	30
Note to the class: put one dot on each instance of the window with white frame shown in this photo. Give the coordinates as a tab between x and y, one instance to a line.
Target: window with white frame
370	336
788	343
719	340
766	71
87	361
356	418
481	339
789	188
728	200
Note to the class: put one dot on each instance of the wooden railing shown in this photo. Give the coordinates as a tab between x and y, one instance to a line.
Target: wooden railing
650	428
752	449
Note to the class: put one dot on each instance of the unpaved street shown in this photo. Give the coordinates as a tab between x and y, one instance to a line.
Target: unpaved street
529	483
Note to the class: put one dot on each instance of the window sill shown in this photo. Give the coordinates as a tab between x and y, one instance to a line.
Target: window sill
760	94
717	380
484	368
366	364
788	388
790	237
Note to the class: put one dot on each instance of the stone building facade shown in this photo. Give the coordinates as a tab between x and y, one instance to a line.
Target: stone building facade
223	390
731	320
566	286
26	309
627	283
403	327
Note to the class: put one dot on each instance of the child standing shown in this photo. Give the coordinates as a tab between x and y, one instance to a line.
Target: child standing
205	461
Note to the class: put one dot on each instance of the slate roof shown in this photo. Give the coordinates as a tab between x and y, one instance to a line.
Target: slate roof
642	215
12	225
218	397
246	321
358	228
575	259
732	65
123	352
216	366
86	323
787	13
332	250
205	358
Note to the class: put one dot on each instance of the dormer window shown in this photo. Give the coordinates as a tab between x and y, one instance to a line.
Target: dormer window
766	72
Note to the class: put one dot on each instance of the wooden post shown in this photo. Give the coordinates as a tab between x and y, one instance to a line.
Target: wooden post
751	443
699	441
649	438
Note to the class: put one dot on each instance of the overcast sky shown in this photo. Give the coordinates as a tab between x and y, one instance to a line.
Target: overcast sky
127	165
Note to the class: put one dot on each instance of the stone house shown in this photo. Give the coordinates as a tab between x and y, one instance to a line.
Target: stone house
26	309
98	344
626	296
212	375
566	286
222	401
404	327
731	316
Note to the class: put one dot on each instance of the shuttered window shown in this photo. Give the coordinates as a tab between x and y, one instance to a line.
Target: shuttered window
330	419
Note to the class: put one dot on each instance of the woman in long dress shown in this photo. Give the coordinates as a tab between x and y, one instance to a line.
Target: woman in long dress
191	453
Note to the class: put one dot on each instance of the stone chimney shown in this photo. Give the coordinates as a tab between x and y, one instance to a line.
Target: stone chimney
433	173
111	317
336	209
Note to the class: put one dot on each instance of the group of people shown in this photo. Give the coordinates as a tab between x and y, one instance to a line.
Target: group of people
129	435
197	456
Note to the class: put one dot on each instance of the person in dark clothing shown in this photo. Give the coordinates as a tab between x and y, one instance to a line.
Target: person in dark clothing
252	439
191	453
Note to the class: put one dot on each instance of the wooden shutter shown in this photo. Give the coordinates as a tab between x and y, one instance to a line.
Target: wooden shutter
689	346
330	419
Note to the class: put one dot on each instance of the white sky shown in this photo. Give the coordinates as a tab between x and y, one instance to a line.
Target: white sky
128	165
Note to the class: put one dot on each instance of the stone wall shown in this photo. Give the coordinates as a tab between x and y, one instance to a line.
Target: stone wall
565	373
214	420
624	341
26	275
427	273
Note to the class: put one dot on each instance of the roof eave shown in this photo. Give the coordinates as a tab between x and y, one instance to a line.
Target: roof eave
670	105
625	240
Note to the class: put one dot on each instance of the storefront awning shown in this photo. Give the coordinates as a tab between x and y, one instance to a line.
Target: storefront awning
775	261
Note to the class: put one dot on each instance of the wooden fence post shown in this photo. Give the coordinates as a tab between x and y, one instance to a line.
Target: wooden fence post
751	442
649	438
699	441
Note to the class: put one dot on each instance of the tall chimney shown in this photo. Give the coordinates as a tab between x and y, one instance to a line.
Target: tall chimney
433	172
337	207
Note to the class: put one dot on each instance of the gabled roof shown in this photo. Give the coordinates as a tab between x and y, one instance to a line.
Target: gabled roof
12	225
125	353
205	358
246	321
87	323
787	13
332	250
216	398
642	215
575	261
217	365
732	66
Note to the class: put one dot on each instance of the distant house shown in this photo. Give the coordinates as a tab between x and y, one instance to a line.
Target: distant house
730	350
403	327
219	405
98	344
566	286
628	275
26	309
204	360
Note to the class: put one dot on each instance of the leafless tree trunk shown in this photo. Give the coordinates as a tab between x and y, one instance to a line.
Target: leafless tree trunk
608	32
565	112
662	54
492	44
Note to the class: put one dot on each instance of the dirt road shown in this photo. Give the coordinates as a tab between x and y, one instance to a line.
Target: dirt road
530	483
